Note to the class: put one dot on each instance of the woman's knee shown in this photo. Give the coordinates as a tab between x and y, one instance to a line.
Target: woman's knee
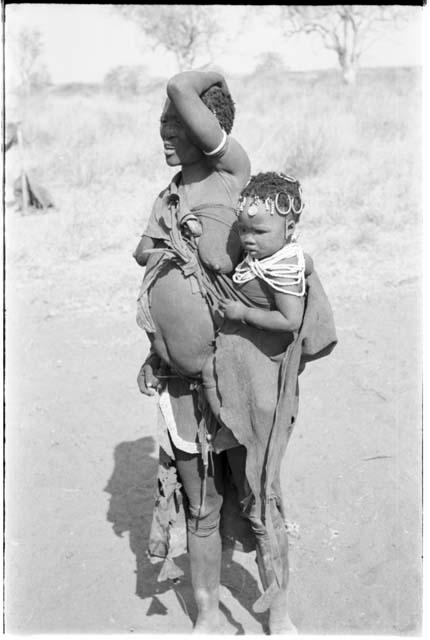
203	518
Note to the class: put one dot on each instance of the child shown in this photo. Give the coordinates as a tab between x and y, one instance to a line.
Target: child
272	275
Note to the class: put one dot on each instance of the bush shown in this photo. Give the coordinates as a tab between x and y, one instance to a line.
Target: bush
269	62
126	80
308	151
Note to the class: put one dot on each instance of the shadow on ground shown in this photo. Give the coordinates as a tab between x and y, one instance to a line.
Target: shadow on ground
131	487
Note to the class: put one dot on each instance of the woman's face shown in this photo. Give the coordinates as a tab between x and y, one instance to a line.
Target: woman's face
261	234
178	146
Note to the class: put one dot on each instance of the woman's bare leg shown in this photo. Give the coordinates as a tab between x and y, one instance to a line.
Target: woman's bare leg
204	540
205	562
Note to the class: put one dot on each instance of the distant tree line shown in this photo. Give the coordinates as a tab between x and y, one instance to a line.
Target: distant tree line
190	31
348	30
126	80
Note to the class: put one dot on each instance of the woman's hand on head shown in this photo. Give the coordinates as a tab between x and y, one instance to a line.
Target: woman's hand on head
212	71
222	84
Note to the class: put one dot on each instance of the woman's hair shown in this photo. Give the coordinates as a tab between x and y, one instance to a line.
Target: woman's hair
272	184
222	106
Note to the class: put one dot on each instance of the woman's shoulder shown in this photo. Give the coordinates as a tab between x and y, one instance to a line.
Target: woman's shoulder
239	159
232	183
218	187
233	160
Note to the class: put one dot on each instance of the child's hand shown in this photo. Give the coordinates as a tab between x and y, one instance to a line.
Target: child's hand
233	310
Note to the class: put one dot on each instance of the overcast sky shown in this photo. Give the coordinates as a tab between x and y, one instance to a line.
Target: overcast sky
82	42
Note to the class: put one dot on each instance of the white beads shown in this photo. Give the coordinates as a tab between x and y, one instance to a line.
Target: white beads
273	270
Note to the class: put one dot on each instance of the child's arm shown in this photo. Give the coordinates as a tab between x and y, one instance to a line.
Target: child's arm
287	317
140	253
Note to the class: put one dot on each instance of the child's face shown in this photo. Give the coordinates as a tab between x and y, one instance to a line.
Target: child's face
262	234
178	147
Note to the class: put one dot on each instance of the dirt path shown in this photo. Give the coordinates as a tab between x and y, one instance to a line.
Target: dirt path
81	462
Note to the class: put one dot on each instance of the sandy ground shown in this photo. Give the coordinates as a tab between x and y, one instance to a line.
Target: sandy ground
81	461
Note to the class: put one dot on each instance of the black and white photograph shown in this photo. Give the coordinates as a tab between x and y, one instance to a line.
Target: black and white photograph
213	347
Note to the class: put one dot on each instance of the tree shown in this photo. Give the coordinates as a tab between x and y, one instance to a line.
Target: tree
184	30
348	30
29	48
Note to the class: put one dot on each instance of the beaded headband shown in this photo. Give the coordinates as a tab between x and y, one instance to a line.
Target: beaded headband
273	204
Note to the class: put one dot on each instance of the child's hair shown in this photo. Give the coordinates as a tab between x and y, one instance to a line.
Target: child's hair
271	185
222	105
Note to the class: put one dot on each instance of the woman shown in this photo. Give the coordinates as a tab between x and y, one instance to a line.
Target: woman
195	125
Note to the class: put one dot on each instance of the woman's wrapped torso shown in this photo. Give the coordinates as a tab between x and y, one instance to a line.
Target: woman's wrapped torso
184	329
171	299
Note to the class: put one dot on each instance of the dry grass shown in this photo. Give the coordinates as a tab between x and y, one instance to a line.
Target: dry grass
355	150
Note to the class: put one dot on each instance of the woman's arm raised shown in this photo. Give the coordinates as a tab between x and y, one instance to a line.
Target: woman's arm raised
184	90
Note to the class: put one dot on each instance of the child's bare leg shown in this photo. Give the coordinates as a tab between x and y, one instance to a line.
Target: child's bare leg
210	387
